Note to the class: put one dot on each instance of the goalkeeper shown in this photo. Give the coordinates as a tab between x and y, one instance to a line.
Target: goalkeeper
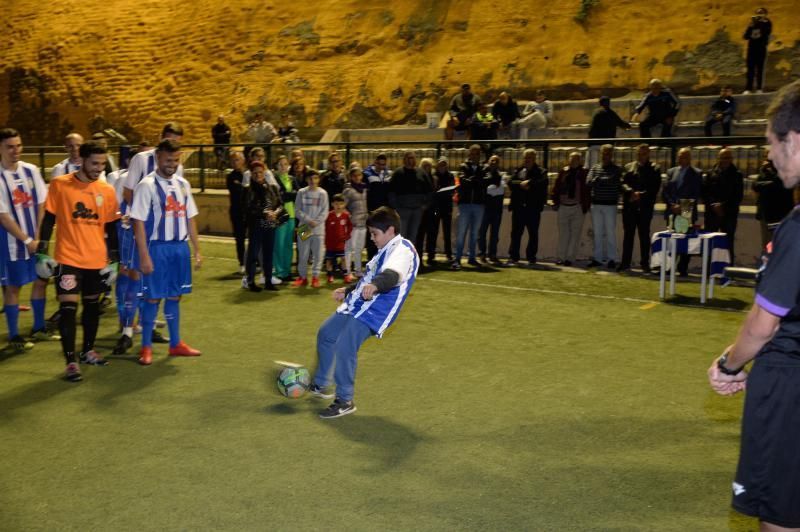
85	211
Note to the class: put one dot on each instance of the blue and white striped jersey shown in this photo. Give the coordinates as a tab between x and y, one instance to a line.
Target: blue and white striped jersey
142	165
64	167
379	312
22	192
165	206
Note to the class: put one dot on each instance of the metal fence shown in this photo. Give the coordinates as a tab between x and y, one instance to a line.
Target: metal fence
202	167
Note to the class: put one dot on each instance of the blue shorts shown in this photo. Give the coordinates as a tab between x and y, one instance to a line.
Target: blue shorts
17	272
172	271
128	254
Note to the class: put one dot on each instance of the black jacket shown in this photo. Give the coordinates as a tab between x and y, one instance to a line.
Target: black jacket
644	179
472	183
774	201
605	122
535	197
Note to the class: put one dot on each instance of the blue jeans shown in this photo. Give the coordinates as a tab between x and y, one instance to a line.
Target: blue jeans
470	216
604	225
338	342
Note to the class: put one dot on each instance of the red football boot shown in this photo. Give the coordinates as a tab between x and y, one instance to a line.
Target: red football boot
183	350
146	356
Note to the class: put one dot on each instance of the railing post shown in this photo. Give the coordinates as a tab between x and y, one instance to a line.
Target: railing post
438	150
202	161
546	156
41	160
268	152
347	155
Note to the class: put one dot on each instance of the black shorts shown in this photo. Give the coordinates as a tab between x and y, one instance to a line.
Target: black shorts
73	281
333	255
768	476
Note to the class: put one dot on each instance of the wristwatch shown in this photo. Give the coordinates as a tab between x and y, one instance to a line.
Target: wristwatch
721	366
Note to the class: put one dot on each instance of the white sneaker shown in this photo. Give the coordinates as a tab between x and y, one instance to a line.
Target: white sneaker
245	284
746	92
276	280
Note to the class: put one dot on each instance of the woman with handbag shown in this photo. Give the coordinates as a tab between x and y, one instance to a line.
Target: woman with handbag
265	212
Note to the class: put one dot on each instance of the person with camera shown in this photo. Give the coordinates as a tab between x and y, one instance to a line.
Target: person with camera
757	37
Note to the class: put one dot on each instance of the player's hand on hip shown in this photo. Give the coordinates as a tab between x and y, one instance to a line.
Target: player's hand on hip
338	294
198	261
369	291
146	265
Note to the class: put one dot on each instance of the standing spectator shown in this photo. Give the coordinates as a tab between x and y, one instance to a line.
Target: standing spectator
426	171
258	154
284	233
506	111
640	188
263	210
355	194
332	179
463	107
471	193
571	199
378	178
773	200
757	37
236	208
493	209
722	110
723	190
409	194
311	211
605	182
683	182
528	186
338	227
260	131
221	134
605	122
287	133
538	113
662	106
72	143
443	185
484	124
300	172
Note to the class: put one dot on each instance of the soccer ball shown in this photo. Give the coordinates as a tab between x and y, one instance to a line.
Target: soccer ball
294	382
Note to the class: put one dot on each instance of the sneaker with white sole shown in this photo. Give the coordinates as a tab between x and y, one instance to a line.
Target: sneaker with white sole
43	335
262	280
73	372
320	392
338	408
92	358
276	280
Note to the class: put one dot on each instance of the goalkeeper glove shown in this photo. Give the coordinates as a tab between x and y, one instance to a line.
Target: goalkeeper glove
109	274
45	266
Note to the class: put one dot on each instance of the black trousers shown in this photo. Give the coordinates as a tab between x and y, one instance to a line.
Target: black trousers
492	216
424	230
725	224
522	219
636	219
726	125
259	251
239	233
443	217
650	121
756	57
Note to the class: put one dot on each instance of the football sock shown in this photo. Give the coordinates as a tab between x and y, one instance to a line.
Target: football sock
90	318
131	305
37	305
173	316
66	326
148	318
12	319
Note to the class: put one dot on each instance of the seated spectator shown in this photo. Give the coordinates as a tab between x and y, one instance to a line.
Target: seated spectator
723	191
773	200
260	131
571	199
722	110
662	106
287	133
355	195
683	182
538	113
506	111
463	107
338	227
484	125
605	182
332	179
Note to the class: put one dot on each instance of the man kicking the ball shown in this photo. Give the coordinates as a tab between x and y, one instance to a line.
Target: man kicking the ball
367	308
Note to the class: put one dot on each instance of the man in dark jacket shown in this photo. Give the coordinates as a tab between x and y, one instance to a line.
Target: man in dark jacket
605	121
378	176
221	134
605	182
773	200
528	186
722	110
493	209
332	180
662	106
471	193
683	182
236	209
409	193
443	185
757	37
640	186
506	111
723	190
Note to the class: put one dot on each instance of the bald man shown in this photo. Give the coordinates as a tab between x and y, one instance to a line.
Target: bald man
723	190
72	143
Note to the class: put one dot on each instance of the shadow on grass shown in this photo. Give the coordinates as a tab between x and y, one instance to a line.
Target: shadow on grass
134	378
14	400
8	352
737	305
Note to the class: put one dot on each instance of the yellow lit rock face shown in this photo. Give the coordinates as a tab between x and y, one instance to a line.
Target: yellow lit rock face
133	65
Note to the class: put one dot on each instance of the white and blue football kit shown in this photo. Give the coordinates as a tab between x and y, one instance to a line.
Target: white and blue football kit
64	167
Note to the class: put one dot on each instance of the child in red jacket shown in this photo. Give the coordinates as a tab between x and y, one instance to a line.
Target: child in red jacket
337	231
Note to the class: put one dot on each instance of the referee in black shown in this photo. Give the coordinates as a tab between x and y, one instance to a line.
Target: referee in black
767	483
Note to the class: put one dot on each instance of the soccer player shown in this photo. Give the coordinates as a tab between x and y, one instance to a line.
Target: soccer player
367	308
72	143
767	479
22	194
85	210
163	214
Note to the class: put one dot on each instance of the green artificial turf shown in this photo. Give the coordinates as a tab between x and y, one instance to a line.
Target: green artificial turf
500	400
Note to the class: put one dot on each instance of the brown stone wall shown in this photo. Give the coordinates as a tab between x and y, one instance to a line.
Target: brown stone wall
132	65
